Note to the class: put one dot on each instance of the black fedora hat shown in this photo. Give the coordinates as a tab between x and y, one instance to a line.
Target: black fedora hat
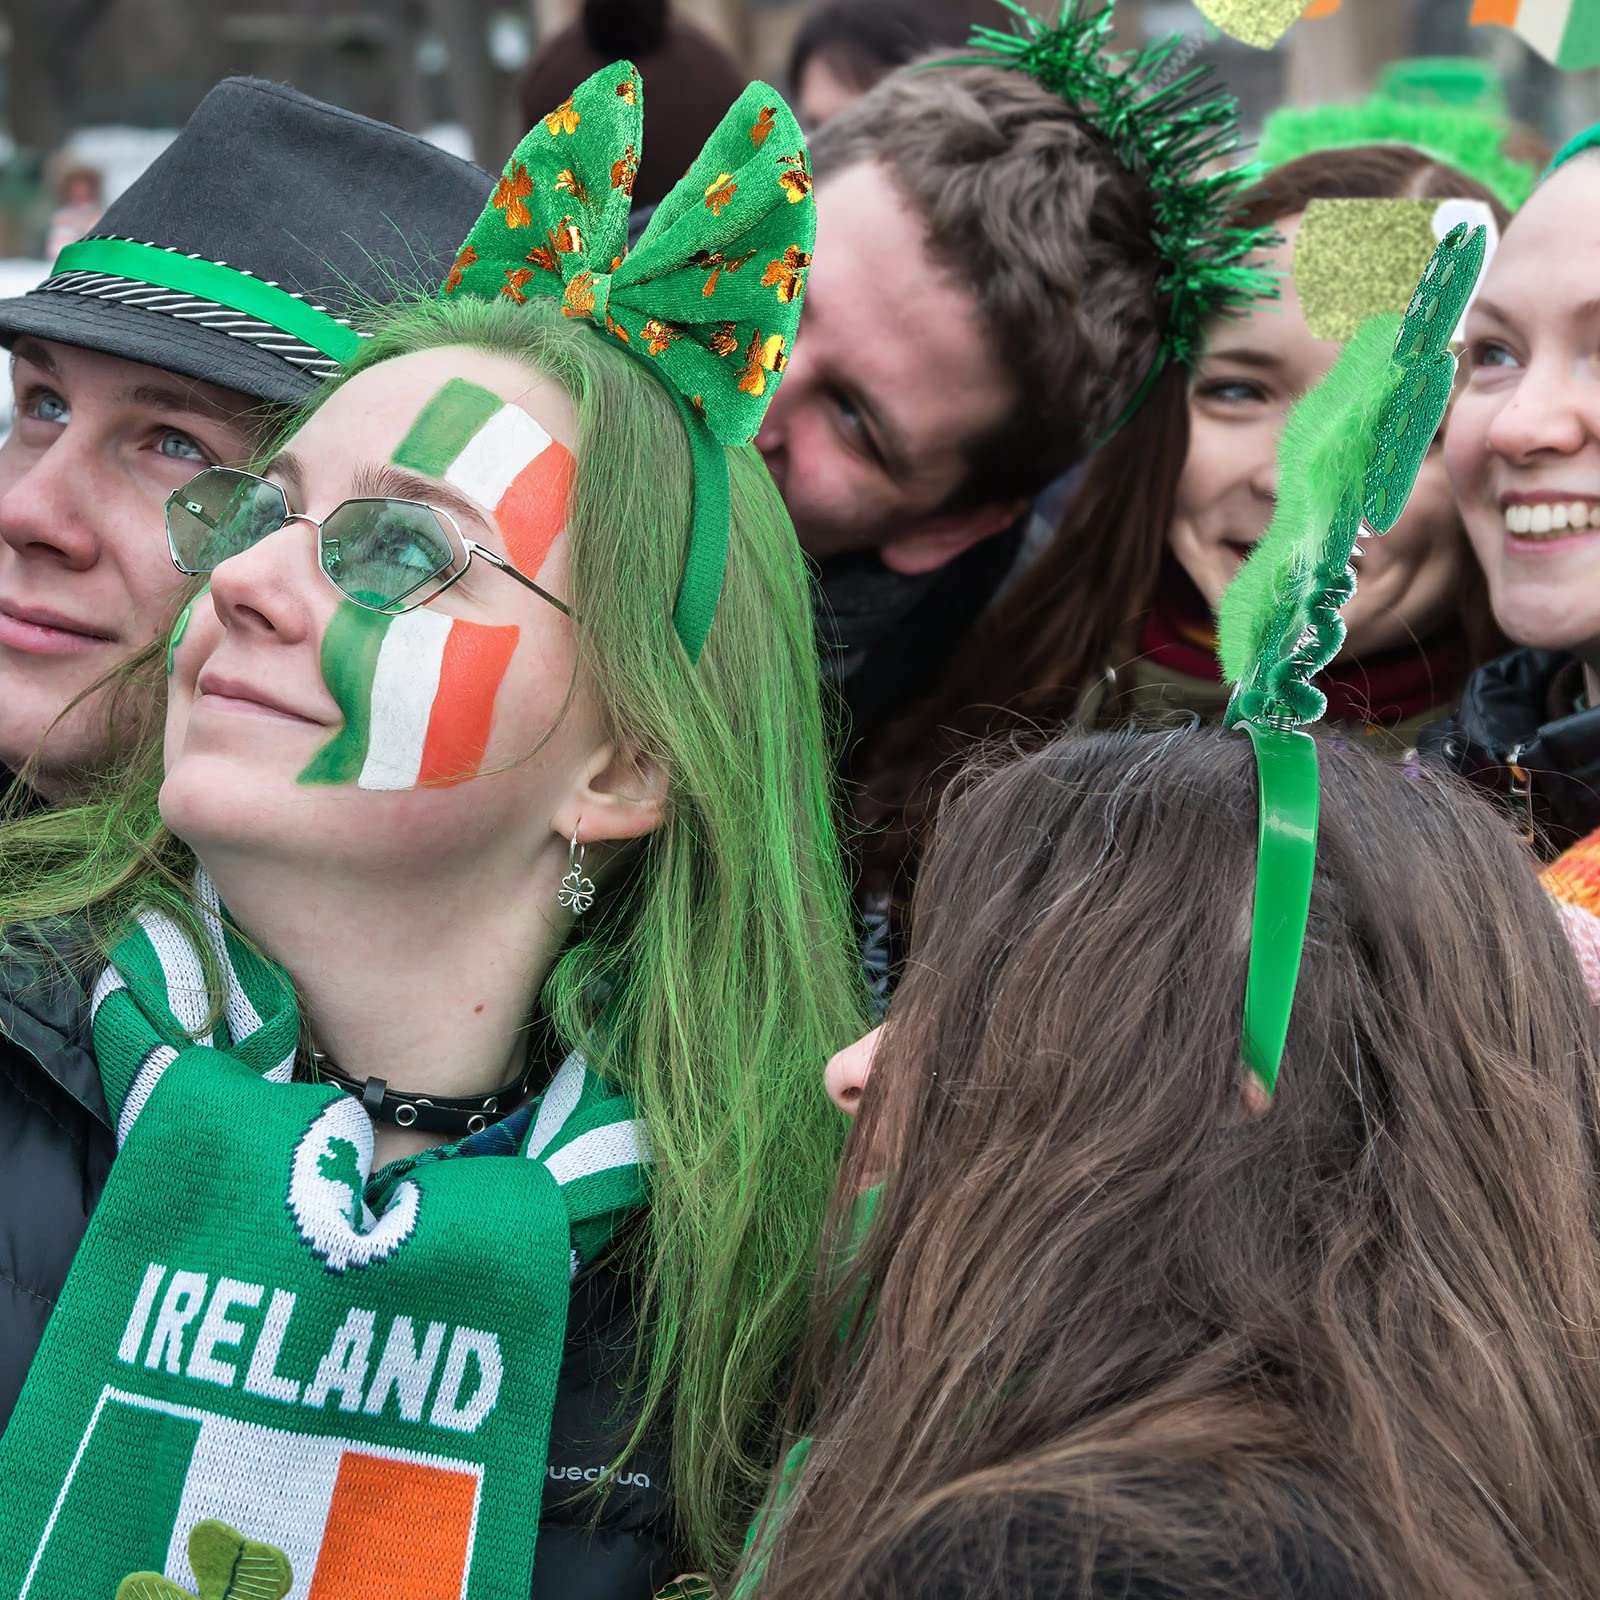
243	253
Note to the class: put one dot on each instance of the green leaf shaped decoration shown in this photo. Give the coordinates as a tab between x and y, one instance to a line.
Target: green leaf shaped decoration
1408	426
226	1566
1349	456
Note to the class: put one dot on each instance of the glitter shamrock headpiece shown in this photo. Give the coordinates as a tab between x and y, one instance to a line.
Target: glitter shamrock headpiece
708	299
1174	129
1348	458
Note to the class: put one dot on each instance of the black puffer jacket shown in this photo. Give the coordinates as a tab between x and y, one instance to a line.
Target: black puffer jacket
1519	735
56	1149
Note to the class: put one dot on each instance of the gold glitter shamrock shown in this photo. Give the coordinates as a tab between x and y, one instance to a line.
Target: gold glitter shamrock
509	195
797	180
466	259
762	356
658	335
563	119
716	264
719	192
786	274
567	183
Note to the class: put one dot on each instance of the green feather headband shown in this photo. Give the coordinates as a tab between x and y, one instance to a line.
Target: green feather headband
1178	135
1454	136
1349	455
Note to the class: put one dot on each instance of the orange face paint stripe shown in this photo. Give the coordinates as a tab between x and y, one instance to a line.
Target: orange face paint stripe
475	661
533	511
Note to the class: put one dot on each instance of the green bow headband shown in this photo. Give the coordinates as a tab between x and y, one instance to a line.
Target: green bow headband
1349	456
709	299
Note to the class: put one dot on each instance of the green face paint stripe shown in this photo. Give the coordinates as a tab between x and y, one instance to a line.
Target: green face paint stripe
349	659
181	627
445	427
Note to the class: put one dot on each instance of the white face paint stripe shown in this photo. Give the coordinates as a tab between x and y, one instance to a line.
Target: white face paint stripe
495	454
404	686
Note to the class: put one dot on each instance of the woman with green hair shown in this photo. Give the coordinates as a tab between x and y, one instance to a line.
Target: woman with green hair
491	812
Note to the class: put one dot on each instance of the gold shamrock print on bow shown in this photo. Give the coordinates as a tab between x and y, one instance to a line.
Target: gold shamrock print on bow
681	299
711	293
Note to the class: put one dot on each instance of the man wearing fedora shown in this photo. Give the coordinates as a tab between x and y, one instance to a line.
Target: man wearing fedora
209	300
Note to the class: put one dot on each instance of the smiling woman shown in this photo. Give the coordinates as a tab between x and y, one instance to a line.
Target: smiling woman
1523	451
436	703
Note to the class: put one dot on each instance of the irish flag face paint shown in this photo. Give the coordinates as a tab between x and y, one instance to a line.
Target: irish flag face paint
498	455
417	692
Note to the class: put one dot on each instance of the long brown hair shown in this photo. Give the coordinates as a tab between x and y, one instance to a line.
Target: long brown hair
1107	1319
1074	617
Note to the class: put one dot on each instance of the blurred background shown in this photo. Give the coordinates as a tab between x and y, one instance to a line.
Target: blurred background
90	90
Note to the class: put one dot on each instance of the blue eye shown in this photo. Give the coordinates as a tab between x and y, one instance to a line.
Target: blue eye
45	406
1230	391
1490	353
180	447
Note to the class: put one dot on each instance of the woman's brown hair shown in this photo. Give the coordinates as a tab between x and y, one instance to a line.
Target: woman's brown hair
1056	638
1108	1320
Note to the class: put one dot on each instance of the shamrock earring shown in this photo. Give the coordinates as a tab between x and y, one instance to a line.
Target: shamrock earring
577	891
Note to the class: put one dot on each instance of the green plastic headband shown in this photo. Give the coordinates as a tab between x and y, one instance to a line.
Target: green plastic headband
1286	858
1589	139
211	280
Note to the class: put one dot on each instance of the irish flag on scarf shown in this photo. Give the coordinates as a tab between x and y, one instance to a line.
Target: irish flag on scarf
1564	32
356	1371
417	692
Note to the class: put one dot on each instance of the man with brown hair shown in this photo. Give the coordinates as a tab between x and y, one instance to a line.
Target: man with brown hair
982	310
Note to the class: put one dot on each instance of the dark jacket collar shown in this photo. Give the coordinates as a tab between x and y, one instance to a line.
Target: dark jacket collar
44	1009
1519	715
887	639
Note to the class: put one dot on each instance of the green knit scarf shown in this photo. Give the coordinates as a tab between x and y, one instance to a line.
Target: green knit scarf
243	1340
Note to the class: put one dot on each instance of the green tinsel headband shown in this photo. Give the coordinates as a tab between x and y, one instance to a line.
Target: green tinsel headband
1177	135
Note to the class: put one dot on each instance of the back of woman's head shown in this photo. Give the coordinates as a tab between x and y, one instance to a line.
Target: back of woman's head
1367	1312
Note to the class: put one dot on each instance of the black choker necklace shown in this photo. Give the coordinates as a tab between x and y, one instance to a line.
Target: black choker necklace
429	1113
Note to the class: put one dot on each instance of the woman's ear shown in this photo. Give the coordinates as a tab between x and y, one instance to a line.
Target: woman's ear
622	796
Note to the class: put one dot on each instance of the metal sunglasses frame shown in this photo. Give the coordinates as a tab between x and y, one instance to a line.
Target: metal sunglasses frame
461	546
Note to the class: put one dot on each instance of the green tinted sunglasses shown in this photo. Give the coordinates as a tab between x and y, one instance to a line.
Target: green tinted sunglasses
386	555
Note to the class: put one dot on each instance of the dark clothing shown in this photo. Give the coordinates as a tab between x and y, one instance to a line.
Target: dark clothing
1521	734
56	1150
14	799
886	639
